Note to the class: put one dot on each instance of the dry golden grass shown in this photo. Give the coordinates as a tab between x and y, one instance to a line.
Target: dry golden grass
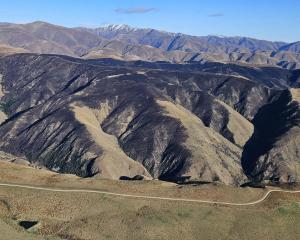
241	128
295	94
97	216
17	174
199	142
8	50
113	162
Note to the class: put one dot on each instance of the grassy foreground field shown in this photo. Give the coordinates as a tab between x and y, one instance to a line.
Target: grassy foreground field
62	215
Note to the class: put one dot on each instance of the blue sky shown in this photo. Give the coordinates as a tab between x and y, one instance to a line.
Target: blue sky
263	19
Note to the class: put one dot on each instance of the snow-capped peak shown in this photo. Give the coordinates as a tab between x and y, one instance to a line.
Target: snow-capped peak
118	27
218	36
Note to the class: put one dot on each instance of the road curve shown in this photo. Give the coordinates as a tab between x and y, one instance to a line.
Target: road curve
266	195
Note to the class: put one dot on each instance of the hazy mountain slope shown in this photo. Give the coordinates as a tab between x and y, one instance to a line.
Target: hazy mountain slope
7	50
42	37
76	40
120	50
244	42
126	43
176	41
211	48
292	47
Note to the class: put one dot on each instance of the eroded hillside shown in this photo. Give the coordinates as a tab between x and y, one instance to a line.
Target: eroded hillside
110	118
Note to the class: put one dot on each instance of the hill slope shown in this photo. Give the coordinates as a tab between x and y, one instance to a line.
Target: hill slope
110	118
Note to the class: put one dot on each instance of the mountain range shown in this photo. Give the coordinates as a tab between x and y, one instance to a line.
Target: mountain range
117	102
126	43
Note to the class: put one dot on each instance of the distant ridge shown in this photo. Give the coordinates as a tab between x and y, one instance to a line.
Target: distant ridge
123	42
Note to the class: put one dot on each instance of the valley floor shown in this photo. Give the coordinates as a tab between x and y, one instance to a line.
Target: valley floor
82	215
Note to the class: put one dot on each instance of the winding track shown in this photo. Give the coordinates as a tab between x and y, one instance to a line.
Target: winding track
149	197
